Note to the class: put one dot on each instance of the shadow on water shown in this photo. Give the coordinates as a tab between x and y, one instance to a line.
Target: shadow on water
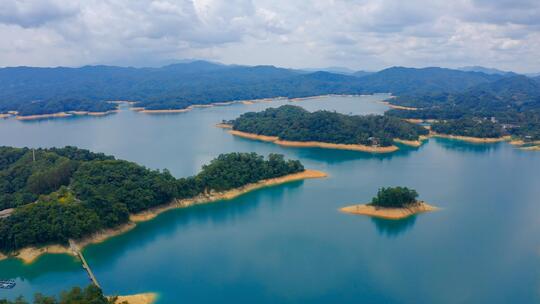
168	224
336	156
463	146
393	228
47	264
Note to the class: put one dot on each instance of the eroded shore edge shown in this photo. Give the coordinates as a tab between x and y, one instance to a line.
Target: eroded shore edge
140	298
316	144
60	115
166	111
30	254
481	140
389	213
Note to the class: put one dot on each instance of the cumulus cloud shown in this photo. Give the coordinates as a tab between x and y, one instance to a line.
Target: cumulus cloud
28	13
362	34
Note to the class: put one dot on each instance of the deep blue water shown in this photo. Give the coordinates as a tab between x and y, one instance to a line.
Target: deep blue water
289	244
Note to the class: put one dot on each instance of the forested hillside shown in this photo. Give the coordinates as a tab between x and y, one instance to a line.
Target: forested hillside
49	90
41	90
296	124
513	102
72	193
470	127
402	81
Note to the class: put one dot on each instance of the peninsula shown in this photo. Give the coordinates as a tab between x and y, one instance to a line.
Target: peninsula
470	130
391	203
292	126
62	194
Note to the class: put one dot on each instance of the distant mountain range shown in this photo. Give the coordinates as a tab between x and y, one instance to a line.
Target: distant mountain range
490	71
335	70
46	90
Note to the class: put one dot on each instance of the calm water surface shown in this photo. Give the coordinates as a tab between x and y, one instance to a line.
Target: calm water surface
289	244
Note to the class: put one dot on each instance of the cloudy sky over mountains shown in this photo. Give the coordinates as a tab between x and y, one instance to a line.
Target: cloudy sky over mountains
362	34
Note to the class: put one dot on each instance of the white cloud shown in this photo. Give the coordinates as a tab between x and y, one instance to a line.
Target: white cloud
367	34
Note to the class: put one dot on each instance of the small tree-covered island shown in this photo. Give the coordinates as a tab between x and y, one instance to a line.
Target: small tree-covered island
51	196
392	203
295	127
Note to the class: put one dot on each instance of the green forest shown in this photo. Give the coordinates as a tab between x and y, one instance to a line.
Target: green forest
76	295
395	197
469	127
296	124
71	193
513	103
47	90
64	105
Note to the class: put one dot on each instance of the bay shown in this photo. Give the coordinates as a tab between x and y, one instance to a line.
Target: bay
290	244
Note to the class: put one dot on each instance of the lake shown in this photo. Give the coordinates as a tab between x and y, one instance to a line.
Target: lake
289	243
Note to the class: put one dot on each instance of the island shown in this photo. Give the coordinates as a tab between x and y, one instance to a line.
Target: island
70	195
292	126
58	108
392	203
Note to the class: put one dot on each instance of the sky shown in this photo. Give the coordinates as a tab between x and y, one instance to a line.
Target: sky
357	34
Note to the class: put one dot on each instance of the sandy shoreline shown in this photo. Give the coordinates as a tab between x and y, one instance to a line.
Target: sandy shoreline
413	143
42	116
526	145
224	126
309	144
226	195
316	144
530	148
392	106
63	115
388	213
225	103
472	139
141	298
414	120
30	254
214	104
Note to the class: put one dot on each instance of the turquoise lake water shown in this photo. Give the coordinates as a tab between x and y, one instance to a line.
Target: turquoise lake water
289	244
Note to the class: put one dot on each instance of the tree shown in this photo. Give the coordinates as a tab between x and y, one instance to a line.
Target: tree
395	197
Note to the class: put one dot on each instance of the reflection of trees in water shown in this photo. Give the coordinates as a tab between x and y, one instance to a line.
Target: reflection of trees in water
463	146
335	156
46	264
167	224
393	228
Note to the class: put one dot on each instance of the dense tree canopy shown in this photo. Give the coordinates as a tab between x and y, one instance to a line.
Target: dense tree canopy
64	105
513	102
76	295
22	179
71	193
395	197
46	90
296	124
469	127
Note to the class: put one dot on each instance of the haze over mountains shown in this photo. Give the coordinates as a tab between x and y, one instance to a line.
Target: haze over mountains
49	90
